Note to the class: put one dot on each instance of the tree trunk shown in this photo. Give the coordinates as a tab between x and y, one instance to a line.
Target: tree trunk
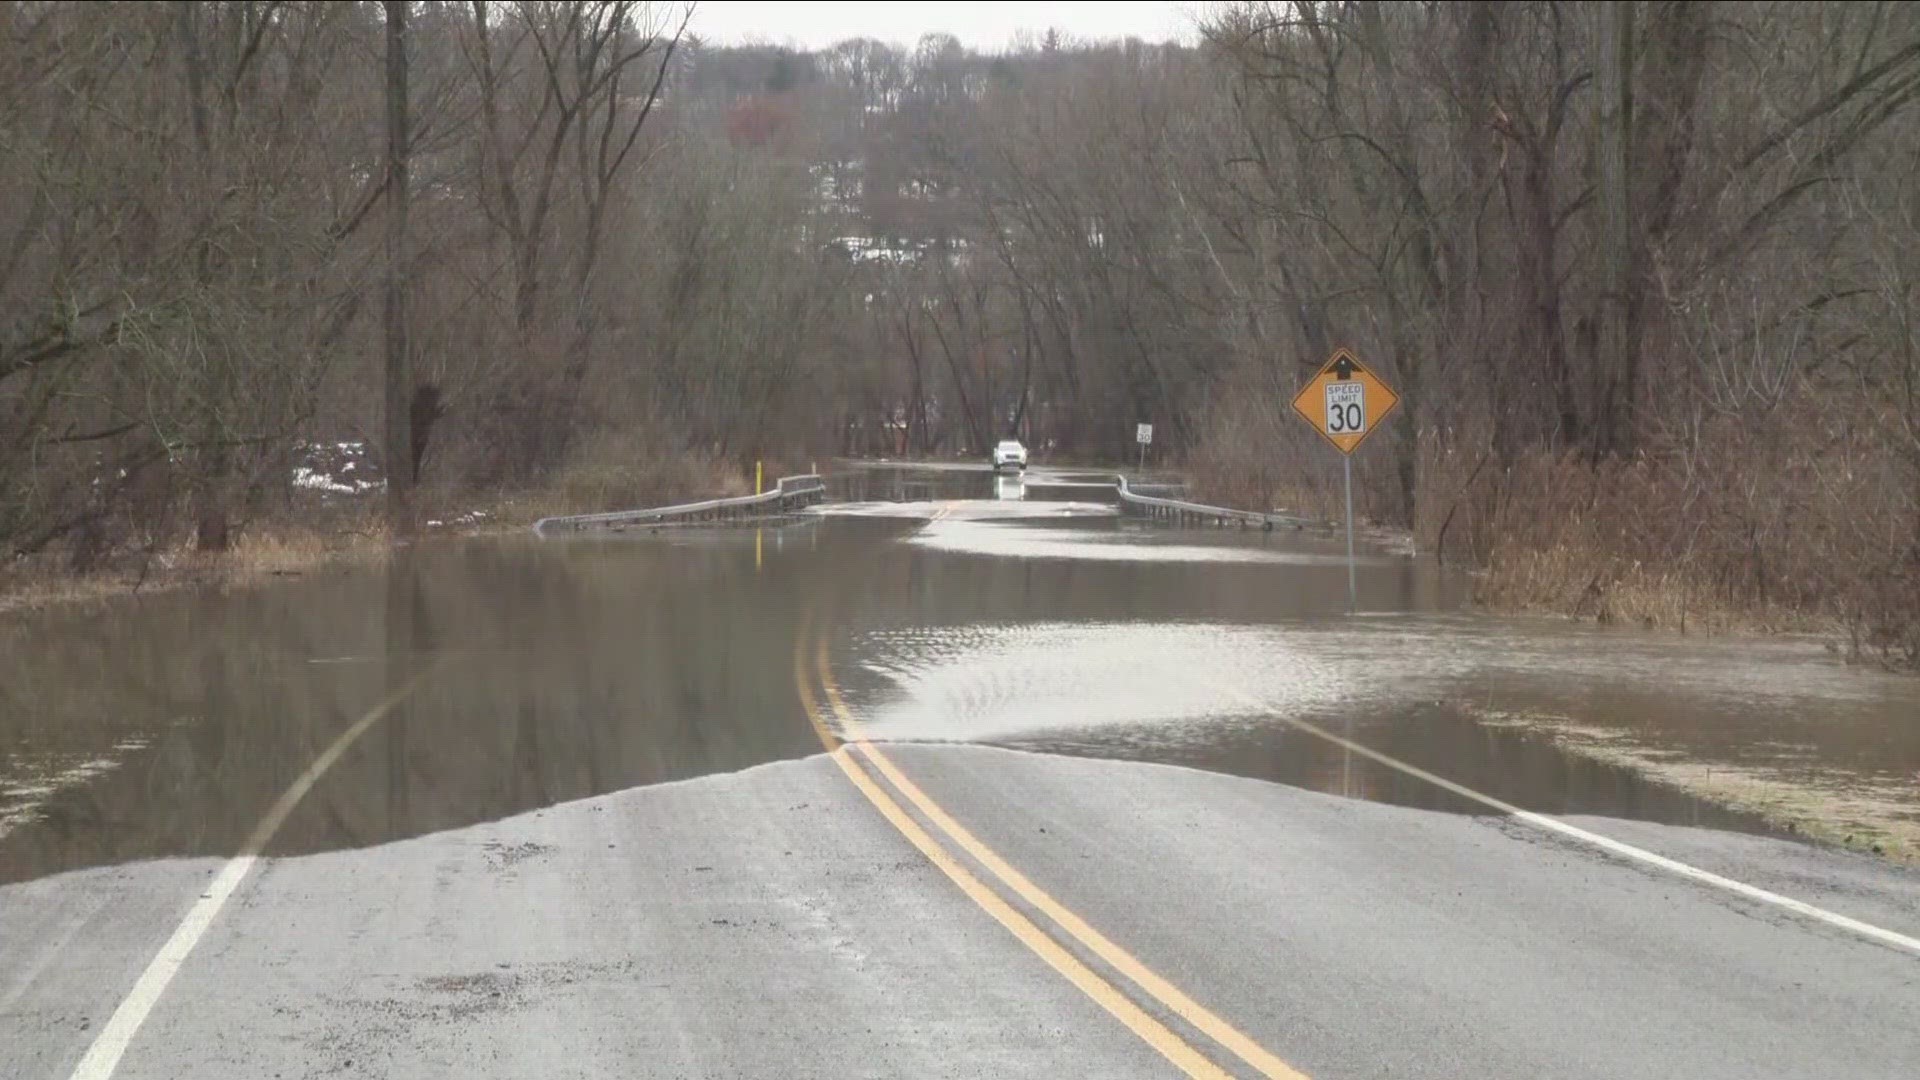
212	528
399	368
1615	367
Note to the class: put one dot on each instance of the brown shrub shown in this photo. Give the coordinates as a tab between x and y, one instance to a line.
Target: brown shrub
624	470
1783	521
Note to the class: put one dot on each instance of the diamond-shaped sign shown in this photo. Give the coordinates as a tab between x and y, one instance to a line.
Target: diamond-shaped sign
1344	401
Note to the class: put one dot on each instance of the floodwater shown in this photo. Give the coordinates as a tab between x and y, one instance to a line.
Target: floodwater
1027	616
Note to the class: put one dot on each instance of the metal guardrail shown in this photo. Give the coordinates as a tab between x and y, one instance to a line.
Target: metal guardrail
789	492
1190	512
792	492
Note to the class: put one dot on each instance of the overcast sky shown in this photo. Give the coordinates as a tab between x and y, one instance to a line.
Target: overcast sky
812	23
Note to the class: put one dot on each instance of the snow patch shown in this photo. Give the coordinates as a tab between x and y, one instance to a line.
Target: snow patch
313	478
471	517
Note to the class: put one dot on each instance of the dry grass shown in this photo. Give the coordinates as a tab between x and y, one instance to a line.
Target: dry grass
1739	539
1823	806
1248	464
621	471
1761	524
609	474
1584	581
44	581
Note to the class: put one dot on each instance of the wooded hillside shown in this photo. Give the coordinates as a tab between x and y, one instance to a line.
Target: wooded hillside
1646	274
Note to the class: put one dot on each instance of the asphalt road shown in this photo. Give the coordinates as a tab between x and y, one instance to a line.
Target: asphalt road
902	908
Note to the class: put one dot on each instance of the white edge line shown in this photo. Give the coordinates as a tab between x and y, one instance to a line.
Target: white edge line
1616	847
103	1057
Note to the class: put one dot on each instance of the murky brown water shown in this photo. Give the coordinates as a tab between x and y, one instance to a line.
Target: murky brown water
1030	618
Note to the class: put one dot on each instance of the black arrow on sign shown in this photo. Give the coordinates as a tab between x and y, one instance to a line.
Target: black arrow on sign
1343	368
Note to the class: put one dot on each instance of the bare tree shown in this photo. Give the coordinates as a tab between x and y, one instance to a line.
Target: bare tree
401	461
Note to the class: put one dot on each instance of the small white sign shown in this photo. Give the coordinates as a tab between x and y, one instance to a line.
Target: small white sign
1346	407
1143	434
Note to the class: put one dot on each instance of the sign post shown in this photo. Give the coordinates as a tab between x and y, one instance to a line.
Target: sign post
1143	434
1344	402
1353	588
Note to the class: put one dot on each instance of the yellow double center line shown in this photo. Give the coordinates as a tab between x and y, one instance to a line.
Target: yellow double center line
1183	1054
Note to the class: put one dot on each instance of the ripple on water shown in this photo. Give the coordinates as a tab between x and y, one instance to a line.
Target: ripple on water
1219	696
975	537
985	683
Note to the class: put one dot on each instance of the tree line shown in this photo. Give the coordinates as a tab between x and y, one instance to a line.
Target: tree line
1645	273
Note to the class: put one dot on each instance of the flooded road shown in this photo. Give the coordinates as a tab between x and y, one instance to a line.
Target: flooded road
474	812
1031	619
550	675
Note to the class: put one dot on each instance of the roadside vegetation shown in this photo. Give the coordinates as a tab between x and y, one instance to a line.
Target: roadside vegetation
1834	806
1646	275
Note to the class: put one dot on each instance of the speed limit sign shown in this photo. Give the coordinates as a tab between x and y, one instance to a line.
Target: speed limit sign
1346	407
1344	401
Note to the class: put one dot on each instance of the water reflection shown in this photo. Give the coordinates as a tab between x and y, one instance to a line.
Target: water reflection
1509	765
910	485
556	674
559	670
1009	488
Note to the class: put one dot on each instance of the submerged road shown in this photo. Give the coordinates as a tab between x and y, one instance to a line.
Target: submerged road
982	793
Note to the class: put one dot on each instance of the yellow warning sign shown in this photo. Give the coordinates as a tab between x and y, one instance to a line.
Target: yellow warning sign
1344	401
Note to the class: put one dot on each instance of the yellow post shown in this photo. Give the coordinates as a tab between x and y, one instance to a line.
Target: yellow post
757	488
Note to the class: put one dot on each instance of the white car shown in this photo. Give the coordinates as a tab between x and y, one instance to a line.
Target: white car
1009	455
